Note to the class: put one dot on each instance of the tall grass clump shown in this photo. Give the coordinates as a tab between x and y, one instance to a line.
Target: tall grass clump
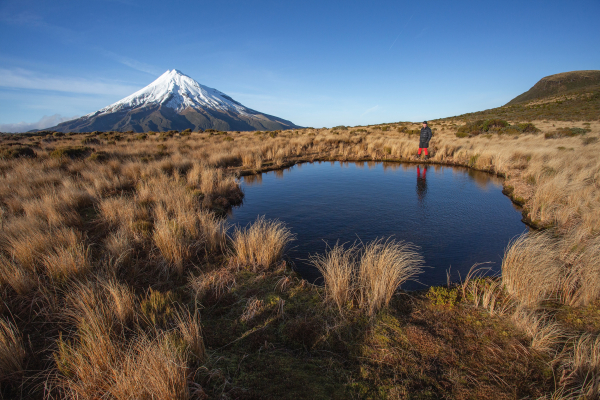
338	267
367	276
581	369
191	332
544	333
12	352
383	267
261	244
582	282
531	272
146	368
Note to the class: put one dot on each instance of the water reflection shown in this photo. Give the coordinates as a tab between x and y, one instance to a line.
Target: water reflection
252	180
421	183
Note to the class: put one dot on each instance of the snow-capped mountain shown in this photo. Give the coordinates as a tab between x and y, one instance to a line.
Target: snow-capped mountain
174	101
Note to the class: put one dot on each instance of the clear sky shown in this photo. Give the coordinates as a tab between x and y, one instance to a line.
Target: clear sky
316	63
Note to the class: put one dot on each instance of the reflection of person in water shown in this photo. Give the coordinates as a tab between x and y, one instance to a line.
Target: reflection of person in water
421	183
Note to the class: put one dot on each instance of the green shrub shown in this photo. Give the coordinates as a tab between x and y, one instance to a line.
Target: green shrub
186	132
470	129
142	136
98	156
70	152
527	127
566	132
494	124
440	295
90	140
589	140
9	153
273	134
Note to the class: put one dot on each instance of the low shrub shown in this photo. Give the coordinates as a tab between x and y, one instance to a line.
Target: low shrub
99	156
440	295
90	140
494	125
70	152
9	153
566	132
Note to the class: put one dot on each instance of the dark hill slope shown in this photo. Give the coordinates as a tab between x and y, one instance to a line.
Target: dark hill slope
574	82
569	96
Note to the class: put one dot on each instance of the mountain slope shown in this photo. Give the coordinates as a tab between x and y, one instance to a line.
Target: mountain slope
568	96
174	101
574	82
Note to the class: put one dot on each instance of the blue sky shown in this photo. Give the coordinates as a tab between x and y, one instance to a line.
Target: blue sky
316	63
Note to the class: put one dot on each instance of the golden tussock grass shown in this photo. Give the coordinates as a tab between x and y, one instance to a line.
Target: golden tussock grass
82	237
94	365
338	268
531	271
383	267
581	367
367	275
191	332
217	283
12	352
260	244
544	333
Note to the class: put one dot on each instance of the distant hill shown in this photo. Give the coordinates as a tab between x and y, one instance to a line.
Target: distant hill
561	84
174	101
568	96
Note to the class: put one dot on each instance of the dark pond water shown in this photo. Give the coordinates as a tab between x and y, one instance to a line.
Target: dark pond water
457	217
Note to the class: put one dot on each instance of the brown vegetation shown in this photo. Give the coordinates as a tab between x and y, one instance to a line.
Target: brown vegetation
108	252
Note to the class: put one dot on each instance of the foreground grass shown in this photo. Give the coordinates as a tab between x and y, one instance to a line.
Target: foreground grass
118	277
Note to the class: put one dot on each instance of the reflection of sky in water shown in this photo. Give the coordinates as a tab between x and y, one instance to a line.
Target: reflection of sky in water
456	216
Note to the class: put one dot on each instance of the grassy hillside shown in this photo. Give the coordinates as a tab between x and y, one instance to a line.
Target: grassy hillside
574	82
569	96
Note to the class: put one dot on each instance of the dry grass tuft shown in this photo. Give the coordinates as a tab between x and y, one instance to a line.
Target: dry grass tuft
581	285
14	276
253	307
261	244
531	271
338	267
147	368
383	267
582	368
213	230
217	283
487	293
191	332
545	334
12	352
368	276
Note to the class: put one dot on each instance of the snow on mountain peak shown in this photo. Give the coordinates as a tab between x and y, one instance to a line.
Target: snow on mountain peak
175	90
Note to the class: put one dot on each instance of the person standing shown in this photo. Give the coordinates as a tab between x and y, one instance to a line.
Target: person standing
424	139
